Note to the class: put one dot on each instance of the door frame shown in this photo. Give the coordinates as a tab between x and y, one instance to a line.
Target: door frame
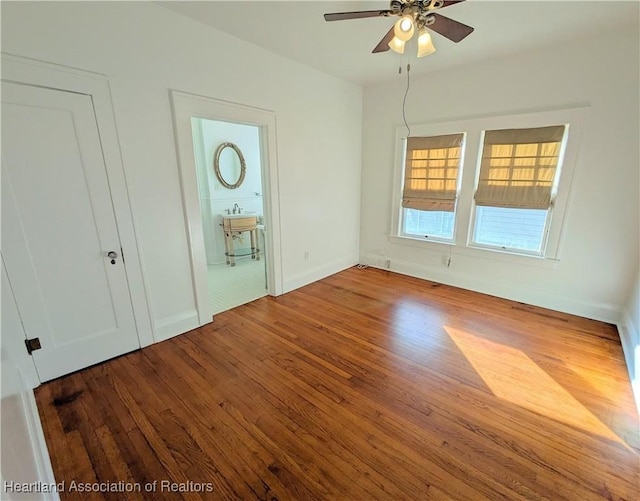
184	106
25	71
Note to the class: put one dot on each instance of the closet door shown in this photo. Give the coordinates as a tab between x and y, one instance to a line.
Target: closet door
60	241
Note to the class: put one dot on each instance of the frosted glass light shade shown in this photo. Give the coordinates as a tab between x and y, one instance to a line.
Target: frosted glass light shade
404	28
425	45
397	45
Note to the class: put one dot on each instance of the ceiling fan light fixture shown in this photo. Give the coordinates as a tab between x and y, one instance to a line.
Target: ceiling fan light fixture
413	16
404	28
397	45
425	44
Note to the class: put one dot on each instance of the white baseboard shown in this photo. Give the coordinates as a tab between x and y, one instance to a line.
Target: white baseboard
174	325
39	445
630	339
635	387
168	327
25	456
559	302
613	314
315	274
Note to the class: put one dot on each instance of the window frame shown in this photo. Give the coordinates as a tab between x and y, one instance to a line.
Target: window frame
432	238
401	222
512	250
464	215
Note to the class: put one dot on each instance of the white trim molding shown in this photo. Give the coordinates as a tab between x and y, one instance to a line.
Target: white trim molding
184	107
174	325
451	276
25	454
630	340
473	128
318	273
52	76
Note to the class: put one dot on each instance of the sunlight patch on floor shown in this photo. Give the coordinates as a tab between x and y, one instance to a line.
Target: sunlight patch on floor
409	320
612	390
512	376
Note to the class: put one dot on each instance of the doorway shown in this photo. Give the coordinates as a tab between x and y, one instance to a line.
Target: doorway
192	112
229	173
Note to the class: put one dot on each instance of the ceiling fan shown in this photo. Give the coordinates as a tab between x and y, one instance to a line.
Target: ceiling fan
415	15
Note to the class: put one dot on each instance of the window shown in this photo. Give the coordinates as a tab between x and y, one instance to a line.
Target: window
435	224
497	183
508	228
518	173
430	187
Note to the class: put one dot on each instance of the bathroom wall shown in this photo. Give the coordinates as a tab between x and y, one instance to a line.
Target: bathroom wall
214	197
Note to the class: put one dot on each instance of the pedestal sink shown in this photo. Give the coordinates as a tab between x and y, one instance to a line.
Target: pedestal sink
235	224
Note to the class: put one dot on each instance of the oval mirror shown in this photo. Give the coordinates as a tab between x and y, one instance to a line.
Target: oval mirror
229	165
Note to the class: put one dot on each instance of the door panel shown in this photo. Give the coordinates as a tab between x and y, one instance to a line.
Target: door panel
58	226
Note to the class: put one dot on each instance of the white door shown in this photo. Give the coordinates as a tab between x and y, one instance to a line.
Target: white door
58	228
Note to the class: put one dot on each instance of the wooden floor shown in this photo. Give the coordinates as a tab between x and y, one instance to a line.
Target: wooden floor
366	385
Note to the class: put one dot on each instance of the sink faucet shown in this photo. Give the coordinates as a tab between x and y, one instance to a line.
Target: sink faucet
236	207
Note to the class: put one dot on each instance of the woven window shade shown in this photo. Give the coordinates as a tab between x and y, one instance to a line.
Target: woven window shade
518	167
431	172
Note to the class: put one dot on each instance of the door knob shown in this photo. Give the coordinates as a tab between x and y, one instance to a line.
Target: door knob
113	255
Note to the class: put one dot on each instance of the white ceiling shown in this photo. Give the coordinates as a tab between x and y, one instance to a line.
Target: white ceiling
297	30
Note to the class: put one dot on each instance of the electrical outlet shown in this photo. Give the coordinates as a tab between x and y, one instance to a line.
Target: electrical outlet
306	255
387	263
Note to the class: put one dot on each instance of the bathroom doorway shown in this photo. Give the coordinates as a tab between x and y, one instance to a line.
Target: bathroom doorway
229	173
186	107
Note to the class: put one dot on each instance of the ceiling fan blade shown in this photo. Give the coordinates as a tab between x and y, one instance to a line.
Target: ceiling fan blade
453	30
446	3
341	16
383	46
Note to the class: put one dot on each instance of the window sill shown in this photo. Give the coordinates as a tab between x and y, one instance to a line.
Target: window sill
418	239
478	252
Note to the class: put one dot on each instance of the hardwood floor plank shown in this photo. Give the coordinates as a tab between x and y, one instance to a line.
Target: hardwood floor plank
174	472
364	385
243	437
136	453
85	472
292	425
314	428
328	409
223	462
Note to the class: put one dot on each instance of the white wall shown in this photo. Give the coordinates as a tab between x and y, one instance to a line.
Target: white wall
145	50
215	199
599	247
